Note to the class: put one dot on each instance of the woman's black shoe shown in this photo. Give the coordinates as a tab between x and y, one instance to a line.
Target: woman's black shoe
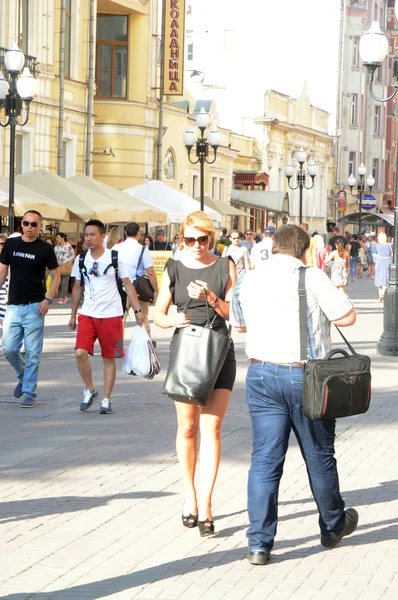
190	521
206	528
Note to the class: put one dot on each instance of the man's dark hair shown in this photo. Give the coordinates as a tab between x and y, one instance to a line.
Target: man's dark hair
62	235
291	240
132	229
34	212
335	229
95	223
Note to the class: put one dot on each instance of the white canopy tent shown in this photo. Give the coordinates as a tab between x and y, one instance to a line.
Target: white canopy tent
176	204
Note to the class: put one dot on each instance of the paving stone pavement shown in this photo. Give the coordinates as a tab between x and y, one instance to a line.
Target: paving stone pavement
90	505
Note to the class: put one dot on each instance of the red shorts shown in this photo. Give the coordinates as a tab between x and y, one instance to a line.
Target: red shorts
108	331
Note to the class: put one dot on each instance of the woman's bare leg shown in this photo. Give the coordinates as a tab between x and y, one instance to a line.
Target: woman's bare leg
211	419
187	451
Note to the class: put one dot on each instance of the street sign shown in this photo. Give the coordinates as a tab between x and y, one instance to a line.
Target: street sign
368	202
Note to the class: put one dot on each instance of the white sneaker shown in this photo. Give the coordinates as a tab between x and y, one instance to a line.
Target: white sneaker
88	399
105	407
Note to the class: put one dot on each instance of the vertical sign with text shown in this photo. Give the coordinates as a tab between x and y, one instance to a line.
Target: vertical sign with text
174	47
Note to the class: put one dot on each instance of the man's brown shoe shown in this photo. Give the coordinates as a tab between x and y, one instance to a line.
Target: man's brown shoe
351	522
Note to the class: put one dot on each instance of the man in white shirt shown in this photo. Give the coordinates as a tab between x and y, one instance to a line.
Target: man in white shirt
265	304
263	250
101	316
238	253
130	253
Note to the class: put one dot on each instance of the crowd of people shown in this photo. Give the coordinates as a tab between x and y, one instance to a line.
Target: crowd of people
247	280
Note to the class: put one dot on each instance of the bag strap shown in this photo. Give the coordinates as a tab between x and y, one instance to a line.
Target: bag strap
140	259
208	323
303	313
346	341
114	264
82	267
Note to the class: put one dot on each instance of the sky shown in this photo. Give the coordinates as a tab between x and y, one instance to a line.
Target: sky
278	44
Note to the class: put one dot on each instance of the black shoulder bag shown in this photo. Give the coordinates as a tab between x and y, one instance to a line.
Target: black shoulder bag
142	285
196	359
333	387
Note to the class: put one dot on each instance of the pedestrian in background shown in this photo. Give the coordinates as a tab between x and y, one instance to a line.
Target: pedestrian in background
312	257
160	242
148	241
361	256
48	276
274	387
65	257
27	257
383	261
238	253
113	237
188	278
247	241
321	252
262	251
354	256
101	315
341	265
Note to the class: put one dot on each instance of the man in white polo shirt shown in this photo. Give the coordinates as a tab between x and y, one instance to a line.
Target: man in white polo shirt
265	304
101	316
138	261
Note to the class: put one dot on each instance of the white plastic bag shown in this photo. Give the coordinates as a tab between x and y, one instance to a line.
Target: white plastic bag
137	360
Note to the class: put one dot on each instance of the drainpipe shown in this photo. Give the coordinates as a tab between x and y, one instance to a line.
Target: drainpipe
61	91
159	152
90	89
340	92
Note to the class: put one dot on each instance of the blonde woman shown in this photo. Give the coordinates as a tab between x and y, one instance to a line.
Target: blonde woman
197	270
341	265
113	237
383	262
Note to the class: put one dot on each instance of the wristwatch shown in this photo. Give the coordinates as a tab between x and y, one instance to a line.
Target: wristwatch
49	300
212	304
137	311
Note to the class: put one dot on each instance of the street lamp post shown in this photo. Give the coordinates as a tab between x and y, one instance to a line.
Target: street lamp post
352	182
19	89
202	148
374	49
312	169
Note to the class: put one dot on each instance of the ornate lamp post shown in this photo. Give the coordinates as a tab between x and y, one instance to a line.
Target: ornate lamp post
16	90
352	182
301	157
374	49
202	148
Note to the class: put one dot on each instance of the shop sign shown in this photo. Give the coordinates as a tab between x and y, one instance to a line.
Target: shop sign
174	27
368	202
159	260
341	200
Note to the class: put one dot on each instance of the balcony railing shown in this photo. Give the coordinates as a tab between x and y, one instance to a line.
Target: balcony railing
30	62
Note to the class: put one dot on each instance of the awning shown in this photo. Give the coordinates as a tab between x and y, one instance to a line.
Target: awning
368	219
223	209
277	202
25	199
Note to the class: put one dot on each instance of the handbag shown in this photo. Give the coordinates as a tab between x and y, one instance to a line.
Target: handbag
196	359
335	386
142	285
66	267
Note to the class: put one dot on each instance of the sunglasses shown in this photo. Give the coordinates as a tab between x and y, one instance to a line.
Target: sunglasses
94	270
235	238
202	240
31	223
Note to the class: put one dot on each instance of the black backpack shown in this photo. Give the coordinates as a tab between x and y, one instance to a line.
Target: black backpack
115	265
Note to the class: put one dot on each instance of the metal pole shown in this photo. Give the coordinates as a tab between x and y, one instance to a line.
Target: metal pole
12	177
301	202
202	182
388	343
90	89
161	97
60	152
360	206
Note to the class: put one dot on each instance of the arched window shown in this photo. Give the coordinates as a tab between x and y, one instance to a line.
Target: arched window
169	165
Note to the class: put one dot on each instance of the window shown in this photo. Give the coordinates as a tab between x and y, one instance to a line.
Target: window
354	109
214	188
68	29
352	163
376	122
112	43
375	171
195	186
23	25
221	190
355	52
189	42
169	165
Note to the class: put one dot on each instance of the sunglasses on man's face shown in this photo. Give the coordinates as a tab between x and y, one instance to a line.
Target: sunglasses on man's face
31	223
94	270
202	240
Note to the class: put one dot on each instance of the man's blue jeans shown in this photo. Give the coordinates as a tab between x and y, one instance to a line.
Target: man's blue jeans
22	323
354	266
274	396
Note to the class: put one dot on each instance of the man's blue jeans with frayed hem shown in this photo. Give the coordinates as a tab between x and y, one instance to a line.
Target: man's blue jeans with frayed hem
22	323
274	396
